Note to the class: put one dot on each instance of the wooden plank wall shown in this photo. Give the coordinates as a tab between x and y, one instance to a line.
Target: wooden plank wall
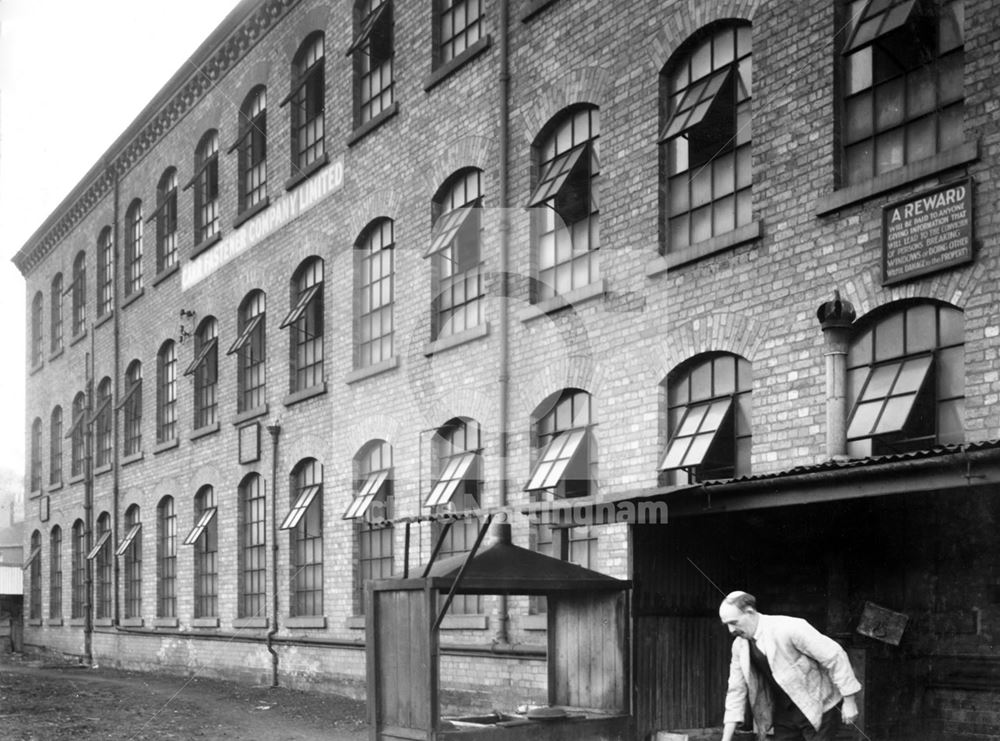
403	663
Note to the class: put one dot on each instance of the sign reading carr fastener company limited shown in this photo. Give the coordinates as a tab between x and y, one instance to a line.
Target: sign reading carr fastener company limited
282	211
927	233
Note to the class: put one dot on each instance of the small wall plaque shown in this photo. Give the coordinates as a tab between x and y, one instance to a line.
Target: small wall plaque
882	624
250	443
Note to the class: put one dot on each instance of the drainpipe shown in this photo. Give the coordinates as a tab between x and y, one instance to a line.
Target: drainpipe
88	507
835	318
502	634
116	362
274	430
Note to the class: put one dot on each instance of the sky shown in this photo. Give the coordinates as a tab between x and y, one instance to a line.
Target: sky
73	76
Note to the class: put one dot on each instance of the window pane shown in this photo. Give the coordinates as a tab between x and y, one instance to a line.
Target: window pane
743	207
724	215
951	27
951	372
889	151
951	422
864	419
921	328
950	134
889	104
725	376
859	162
950	78
723	48
859	117
743	167
859	70
920	139
701	224
951	327
701	187
920	93
897	411
679	202
677	155
912	374
723	175
701	382
701	60
880	382
679	234
889	340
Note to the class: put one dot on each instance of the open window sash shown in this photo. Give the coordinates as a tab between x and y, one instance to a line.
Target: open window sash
362	501
888	397
199	528
696	104
559	172
454	474
306	78
448	226
31	557
551	465
305	298
169	199
695	434
127	540
245	335
879	18
77	421
98	545
373	30
212	159
202	356
256	126
302	502
102	405
129	393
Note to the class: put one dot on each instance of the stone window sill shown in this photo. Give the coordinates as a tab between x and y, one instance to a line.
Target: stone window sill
103	622
35	368
205	245
165	622
356	622
297	397
249	414
249	213
131	458
701	250
204	431
54	622
446	69
160	277
535	622
77	622
250	623
76	479
132	298
205	622
366	128
165	446
55	486
306	621
465	622
457	339
132	622
104	319
300	177
532	8
954	157
106	468
57	354
78	338
360	374
563	301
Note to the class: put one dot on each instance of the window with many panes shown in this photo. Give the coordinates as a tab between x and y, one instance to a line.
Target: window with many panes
204	537
371	510
79	573
307	101
459	25
457	469
708	420
131	549
105	272
56	315
55	572
166	559
133	248
903	63
305	323
102	417
304	522
204	368
166	221
253	548
76	435
906	380
706	136
78	291
251	150
456	252
250	350
206	188
35	472
131	404
34	565
373	53
565	203
166	392
375	276
37	339
100	554
56	446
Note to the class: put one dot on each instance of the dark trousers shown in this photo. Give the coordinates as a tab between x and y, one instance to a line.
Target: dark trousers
791	725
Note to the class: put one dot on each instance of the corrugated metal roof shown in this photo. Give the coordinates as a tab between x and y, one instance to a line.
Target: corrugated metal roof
11	579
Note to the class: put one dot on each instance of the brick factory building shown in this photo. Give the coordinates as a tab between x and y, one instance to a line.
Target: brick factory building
361	263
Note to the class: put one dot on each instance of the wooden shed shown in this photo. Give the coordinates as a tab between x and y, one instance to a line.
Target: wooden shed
587	652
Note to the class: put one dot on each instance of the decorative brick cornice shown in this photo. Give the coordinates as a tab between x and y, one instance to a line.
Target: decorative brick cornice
207	67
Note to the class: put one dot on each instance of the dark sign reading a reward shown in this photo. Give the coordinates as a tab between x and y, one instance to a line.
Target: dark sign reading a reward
928	232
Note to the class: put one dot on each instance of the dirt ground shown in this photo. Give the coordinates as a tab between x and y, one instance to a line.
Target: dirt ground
51	701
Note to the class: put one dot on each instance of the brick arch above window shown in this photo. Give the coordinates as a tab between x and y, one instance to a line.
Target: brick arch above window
581	86
957	287
738	334
458	154
685	22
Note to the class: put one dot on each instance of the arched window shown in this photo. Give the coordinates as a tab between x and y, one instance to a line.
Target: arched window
133	248
706	136
906	379
37	320
55	446
36	455
305	523
371	509
251	350
56	315
79	291
252	150
373	51
206	188
305	321
166	221
131	549
456	251
565	202
131	403
204	537
308	100
253	548
166	559
708	419
166	393
79	565
375	275
903	68
100	554
205	369
76	435
102	424
105	271
55	572
35	577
